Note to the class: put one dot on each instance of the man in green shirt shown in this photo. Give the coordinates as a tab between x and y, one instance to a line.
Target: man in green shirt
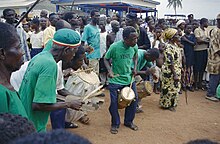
38	88
122	53
145	66
11	58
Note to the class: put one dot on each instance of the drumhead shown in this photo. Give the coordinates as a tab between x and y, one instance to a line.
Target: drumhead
148	87
91	77
125	95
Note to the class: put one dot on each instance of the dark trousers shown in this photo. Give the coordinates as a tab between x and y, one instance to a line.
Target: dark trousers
113	109
57	118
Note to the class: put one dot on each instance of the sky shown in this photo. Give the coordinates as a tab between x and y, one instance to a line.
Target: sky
200	8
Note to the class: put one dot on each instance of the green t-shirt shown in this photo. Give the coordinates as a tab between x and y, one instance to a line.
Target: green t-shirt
91	35
39	86
122	58
10	102
218	91
48	46
142	62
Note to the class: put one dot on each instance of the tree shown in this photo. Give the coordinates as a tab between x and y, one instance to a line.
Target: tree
175	4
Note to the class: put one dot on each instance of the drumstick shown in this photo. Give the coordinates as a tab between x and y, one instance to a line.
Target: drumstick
82	70
90	94
130	86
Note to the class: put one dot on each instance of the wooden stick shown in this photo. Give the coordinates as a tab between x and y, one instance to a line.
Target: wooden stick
27	13
130	86
82	71
90	94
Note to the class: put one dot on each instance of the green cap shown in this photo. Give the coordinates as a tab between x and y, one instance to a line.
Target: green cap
67	37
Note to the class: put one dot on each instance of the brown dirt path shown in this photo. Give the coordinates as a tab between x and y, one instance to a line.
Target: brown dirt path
197	120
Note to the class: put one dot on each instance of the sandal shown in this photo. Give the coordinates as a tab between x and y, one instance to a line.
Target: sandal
114	130
132	126
70	125
84	120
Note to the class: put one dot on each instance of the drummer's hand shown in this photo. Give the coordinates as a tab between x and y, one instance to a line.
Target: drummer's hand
152	70
134	72
75	104
89	49
110	74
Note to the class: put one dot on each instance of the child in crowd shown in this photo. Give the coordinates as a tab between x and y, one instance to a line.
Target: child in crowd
188	41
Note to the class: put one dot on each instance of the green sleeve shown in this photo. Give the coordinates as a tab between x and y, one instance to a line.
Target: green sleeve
149	64
45	90
135	50
85	34
109	53
4	103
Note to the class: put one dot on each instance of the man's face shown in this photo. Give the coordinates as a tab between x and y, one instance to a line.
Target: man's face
206	24
129	21
188	29
74	21
10	17
54	19
68	54
131	40
115	26
14	56
43	22
96	17
102	25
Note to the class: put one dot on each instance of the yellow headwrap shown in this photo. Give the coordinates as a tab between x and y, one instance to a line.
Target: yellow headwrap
169	33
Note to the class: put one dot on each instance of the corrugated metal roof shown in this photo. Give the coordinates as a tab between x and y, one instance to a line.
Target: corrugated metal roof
15	3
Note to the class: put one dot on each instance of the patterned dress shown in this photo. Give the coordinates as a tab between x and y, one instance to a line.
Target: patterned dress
170	89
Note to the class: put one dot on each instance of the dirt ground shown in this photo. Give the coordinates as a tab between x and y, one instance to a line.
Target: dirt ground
198	120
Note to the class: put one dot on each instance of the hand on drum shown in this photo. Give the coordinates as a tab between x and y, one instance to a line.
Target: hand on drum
74	102
111	74
151	70
89	49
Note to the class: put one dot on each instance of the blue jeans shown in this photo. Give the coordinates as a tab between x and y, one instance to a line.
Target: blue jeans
213	84
113	109
57	118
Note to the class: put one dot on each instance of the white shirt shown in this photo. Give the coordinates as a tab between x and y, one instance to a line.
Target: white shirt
37	40
17	76
103	43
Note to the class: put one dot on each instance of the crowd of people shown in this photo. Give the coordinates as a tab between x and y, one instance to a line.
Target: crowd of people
120	50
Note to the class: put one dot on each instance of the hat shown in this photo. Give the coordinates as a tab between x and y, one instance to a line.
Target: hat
67	37
218	16
190	15
131	15
169	33
180	22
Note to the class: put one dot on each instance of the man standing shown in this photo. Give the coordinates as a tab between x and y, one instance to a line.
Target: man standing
9	15
143	40
122	53
201	53
49	31
38	88
213	65
91	35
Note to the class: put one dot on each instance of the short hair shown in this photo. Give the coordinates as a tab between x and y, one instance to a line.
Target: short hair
154	52
36	21
127	31
201	141
61	24
79	52
7	10
93	12
68	15
84	20
13	127
8	34
53	137
203	20
51	16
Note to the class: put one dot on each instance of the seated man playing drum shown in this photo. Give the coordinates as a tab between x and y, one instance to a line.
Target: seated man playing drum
145	66
122	53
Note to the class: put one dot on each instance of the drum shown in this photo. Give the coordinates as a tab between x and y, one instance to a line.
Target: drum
144	89
125	97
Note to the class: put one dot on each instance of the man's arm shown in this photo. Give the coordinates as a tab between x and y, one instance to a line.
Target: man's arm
76	104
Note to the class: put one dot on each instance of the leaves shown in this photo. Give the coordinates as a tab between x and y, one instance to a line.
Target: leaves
175	4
